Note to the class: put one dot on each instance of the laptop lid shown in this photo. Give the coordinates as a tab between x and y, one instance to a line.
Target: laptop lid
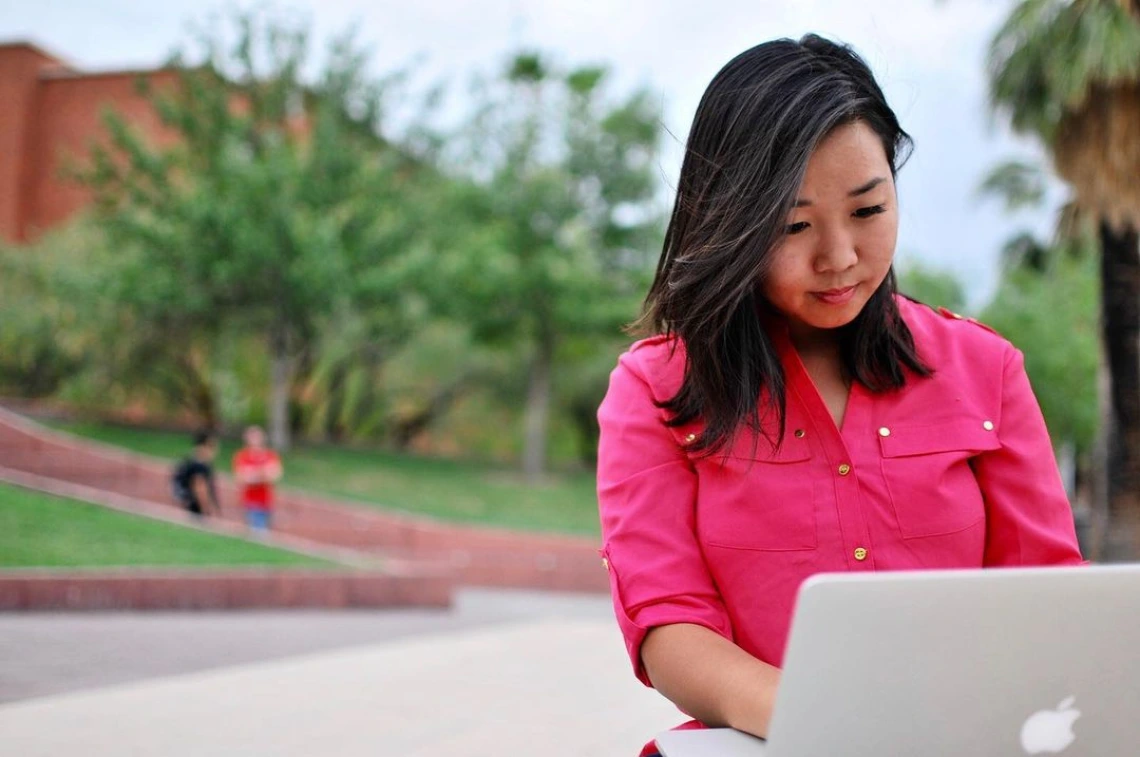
1010	662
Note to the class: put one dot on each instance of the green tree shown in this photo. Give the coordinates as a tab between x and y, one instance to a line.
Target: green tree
1051	316
561	212
1068	72
932	286
64	336
46	300
275	209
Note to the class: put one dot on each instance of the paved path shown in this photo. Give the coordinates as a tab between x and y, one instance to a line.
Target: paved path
506	673
50	653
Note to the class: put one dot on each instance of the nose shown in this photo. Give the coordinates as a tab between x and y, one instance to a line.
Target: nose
836	253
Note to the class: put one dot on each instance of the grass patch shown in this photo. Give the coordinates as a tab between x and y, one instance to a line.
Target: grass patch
447	489
41	530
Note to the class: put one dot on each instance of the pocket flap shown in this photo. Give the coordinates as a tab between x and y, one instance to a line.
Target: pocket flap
968	435
750	446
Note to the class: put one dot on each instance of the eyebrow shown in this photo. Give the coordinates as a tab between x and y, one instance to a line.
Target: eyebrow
862	190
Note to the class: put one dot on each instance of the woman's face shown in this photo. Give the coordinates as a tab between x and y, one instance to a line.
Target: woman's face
840	239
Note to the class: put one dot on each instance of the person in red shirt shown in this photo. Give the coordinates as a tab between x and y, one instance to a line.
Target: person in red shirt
257	468
790	413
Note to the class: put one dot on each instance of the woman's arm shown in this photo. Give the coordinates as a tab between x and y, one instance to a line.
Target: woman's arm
660	582
710	678
1028	517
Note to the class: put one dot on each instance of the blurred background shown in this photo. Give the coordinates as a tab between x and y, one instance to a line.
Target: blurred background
404	239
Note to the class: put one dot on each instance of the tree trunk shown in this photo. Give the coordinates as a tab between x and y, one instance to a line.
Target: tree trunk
333	426
1098	467
537	416
204	406
1120	327
584	415
200	394
406	429
282	380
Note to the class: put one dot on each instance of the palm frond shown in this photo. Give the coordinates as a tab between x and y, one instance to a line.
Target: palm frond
1097	150
1016	183
1051	55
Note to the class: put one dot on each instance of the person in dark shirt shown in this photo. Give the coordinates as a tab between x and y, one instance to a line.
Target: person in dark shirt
193	479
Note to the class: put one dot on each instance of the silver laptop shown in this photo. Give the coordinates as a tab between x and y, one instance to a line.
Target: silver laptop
999	662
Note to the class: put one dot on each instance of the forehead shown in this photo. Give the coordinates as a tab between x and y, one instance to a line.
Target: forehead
848	157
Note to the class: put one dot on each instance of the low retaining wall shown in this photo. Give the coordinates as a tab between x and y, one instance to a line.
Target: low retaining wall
477	556
151	589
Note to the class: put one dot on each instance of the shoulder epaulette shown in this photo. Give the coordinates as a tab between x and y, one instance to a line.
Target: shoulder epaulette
958	317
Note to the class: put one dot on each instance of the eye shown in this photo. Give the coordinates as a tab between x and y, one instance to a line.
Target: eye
874	210
795	228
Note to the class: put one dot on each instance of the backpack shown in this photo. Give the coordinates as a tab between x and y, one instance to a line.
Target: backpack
180	482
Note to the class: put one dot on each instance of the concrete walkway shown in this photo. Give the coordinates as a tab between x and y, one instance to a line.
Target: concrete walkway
506	674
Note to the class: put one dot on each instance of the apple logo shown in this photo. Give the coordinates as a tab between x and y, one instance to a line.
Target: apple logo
1050	730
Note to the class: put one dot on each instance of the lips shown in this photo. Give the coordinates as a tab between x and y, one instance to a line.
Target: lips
836	296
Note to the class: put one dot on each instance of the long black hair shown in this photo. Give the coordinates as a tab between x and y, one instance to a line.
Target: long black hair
757	125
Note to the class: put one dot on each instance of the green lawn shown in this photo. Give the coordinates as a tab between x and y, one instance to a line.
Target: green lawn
447	489
39	530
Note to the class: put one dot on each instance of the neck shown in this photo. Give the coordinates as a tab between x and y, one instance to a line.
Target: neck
807	339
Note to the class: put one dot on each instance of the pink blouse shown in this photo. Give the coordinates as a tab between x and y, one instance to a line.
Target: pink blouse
953	471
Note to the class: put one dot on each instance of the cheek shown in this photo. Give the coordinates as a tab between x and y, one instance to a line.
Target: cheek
787	273
877	243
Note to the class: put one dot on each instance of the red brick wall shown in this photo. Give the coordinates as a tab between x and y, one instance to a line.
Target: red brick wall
49	111
20	68
69	119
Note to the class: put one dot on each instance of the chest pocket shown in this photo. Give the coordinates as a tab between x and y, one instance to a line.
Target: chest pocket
757	498
927	470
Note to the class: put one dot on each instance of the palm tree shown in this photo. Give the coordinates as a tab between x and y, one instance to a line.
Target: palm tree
1068	72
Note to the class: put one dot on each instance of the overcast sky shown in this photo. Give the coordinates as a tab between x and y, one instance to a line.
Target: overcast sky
929	57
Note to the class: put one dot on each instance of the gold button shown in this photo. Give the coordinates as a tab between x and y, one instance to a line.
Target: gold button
844	469
988	426
800	433
860	554
690	438
884	431
605	563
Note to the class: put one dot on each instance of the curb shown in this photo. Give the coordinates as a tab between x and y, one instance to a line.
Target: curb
161	589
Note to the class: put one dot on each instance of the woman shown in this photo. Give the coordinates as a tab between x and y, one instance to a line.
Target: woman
790	413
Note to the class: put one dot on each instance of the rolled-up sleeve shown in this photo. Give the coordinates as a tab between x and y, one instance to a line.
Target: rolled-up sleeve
1029	520
647	490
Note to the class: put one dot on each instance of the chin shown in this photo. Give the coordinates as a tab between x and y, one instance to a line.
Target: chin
836	319
830	325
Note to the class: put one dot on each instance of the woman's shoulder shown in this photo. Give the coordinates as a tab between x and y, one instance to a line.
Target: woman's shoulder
940	333
659	361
